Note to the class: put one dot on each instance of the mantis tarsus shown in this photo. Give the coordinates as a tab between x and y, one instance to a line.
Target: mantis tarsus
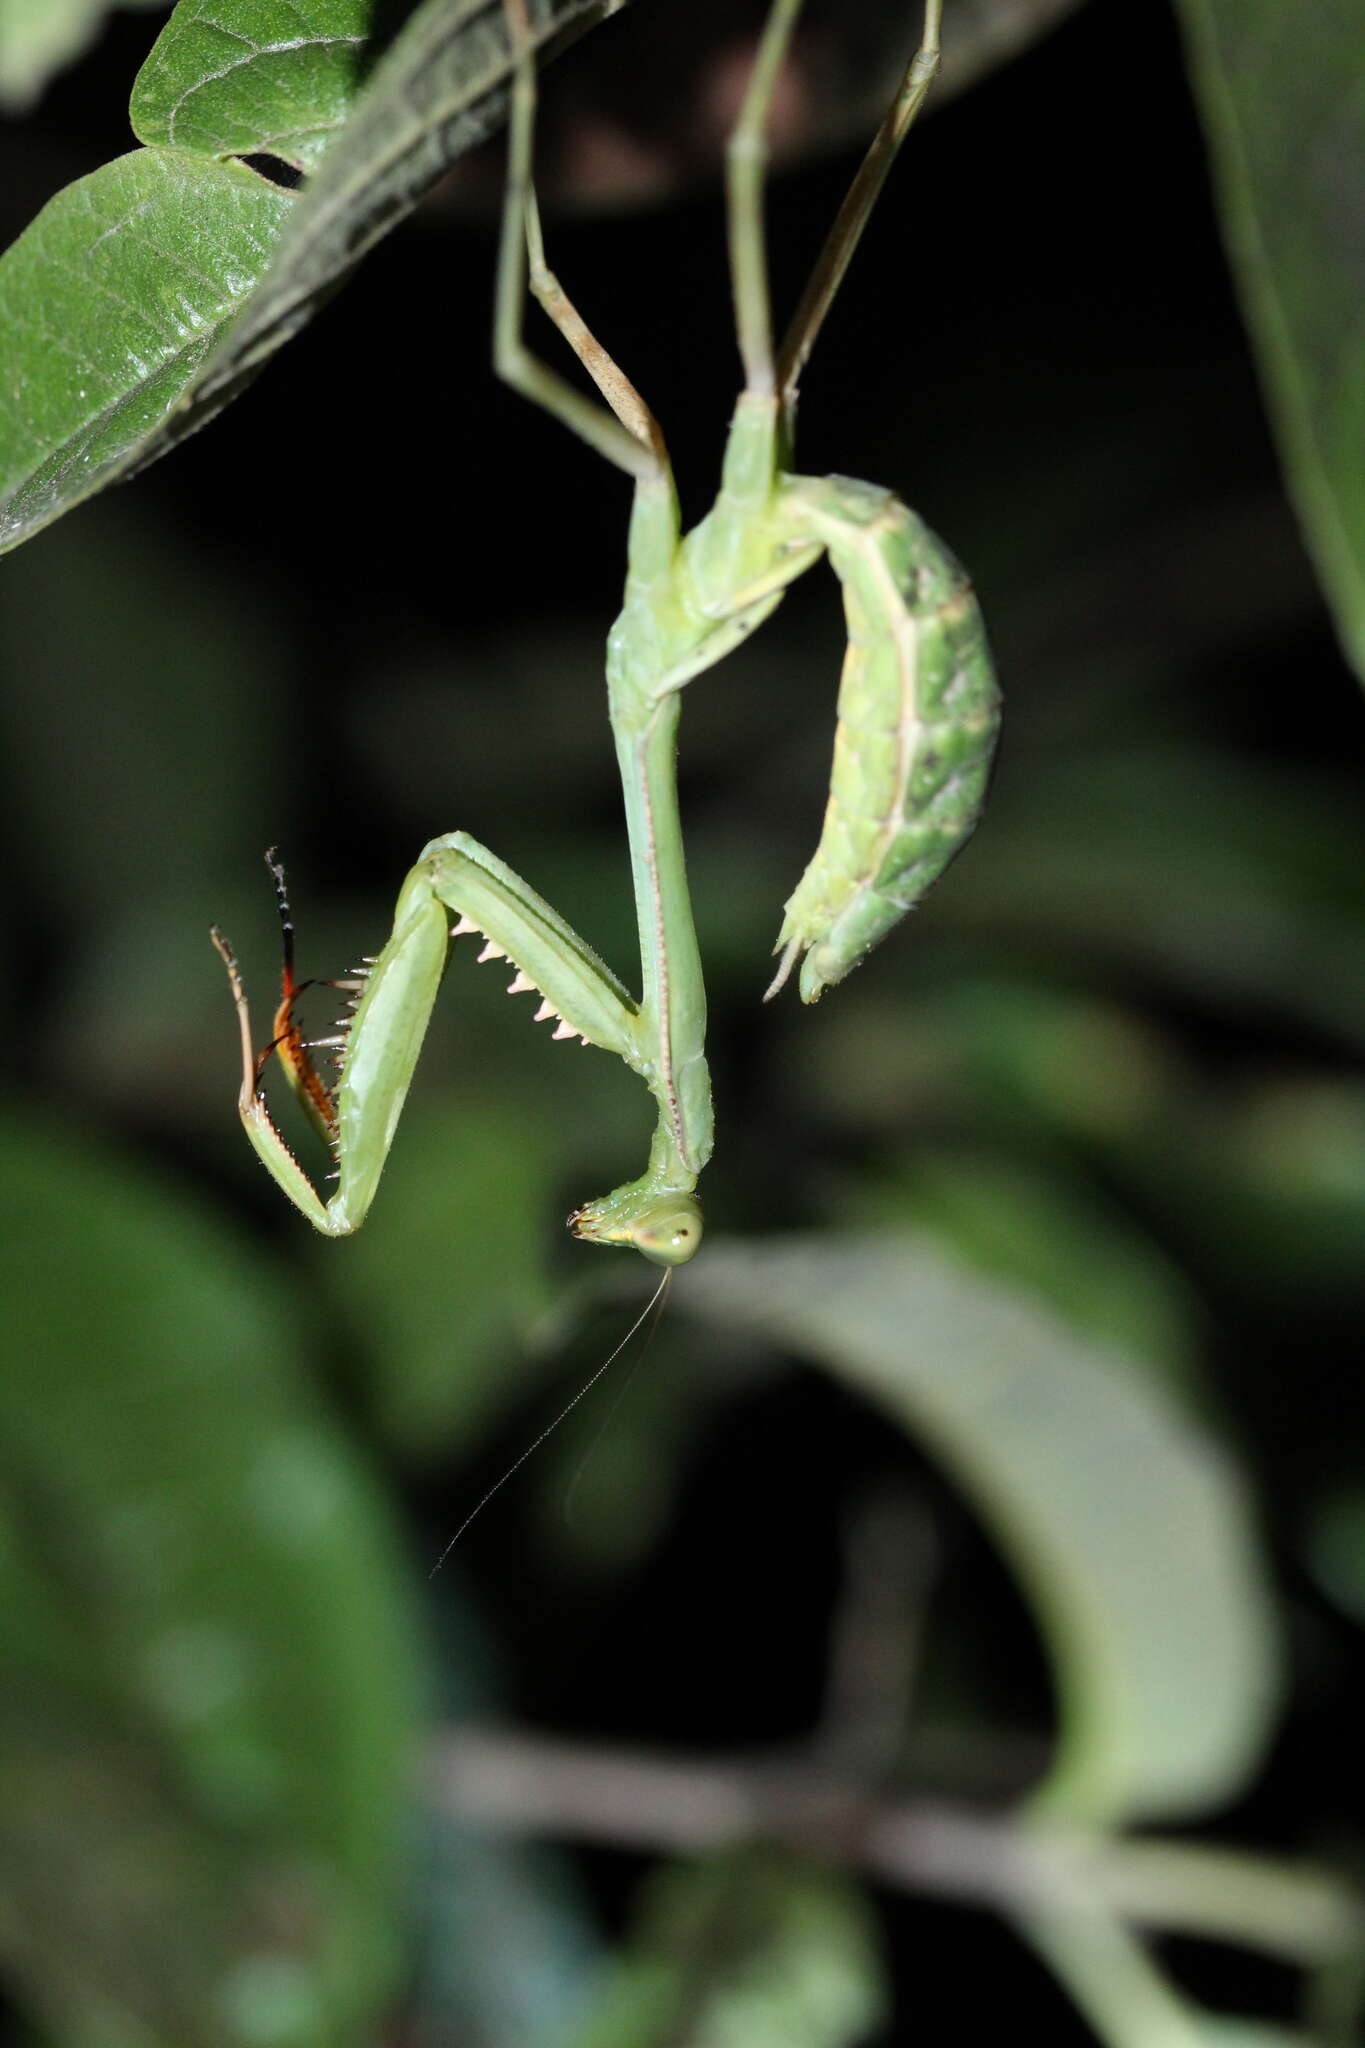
917	716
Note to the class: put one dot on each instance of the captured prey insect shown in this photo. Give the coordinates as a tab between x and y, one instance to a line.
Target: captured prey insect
917	713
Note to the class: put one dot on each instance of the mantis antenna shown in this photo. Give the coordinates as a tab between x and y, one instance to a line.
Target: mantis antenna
916	722
658	1297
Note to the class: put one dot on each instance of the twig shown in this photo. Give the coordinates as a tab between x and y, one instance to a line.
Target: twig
533	1785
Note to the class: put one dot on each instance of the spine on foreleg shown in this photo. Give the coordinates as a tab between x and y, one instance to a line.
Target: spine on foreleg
917	721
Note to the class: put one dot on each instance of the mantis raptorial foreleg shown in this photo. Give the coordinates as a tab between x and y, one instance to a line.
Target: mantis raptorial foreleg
396	995
916	725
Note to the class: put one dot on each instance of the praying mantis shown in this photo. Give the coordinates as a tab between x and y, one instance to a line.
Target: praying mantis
917	716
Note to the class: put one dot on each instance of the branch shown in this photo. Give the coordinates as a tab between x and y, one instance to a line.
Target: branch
525	1784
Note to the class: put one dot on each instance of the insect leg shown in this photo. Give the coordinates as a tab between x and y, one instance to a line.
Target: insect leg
657	1214
266	1141
628	434
833	260
745	168
310	1090
548	958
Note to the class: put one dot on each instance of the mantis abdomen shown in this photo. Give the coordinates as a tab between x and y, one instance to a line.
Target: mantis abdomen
917	720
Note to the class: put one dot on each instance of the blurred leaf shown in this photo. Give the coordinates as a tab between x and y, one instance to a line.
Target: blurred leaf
145	727
37	37
1282	98
1242	887
507	1947
1270	1182
1039	1058
1220	2032
258	76
1123	1991
1098	1489
448	1276
205	1718
137	269
1026	1221
1335	1550
748	1951
143	266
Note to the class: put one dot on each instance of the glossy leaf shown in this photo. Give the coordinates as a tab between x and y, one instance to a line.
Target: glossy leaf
142	268
274	77
748	1949
1282	92
1123	1521
110	302
439	88
205	1728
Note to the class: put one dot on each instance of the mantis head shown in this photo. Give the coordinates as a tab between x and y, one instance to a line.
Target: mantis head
665	1228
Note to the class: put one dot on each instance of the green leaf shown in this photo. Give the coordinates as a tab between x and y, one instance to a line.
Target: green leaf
1124	1523
1123	1991
1025	1220
109	303
1335	1549
1221	2032
169	279
747	1951
261	76
1271	1187
37	37
1237	885
205	1713
1283	99
439	88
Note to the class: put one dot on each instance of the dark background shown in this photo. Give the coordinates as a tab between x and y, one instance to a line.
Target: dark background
366	606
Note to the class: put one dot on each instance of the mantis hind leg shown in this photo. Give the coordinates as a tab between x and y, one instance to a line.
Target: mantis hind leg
828	274
625	431
745	176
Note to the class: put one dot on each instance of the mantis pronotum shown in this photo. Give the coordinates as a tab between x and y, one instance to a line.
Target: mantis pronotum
917	716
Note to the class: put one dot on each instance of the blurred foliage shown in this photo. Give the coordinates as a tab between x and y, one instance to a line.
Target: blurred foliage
1095	1488
38	37
1284	117
194	1571
1048	1227
747	1952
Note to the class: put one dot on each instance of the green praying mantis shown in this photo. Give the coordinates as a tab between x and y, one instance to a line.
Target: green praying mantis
917	716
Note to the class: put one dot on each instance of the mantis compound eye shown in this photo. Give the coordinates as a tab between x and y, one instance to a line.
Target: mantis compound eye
671	1234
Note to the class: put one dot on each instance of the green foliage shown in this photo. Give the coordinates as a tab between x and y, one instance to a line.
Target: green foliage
169	275
37	37
746	1951
206	1719
1103	1110
276	78
1093	1483
1283	98
138	268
